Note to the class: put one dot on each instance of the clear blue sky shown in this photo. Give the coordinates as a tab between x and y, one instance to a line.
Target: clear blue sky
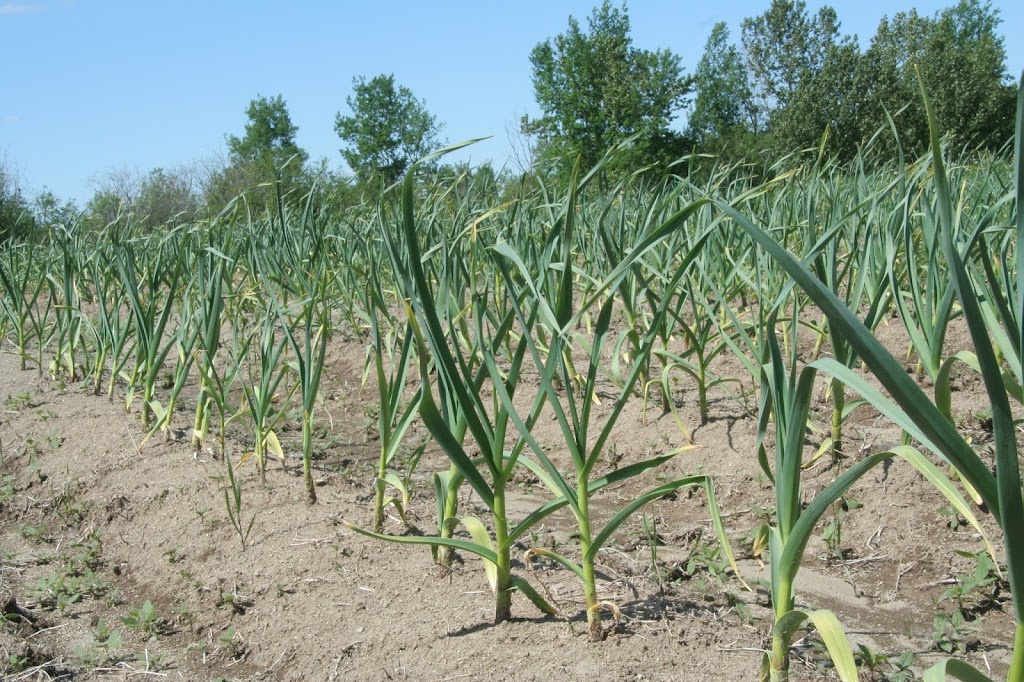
89	85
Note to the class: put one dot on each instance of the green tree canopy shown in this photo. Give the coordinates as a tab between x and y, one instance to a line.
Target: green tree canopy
51	212
16	216
786	45
594	89
803	78
165	196
962	61
723	107
268	151
829	98
269	140
157	198
803	74
388	129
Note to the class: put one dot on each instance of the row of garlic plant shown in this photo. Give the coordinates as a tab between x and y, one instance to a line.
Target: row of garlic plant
528	326
506	285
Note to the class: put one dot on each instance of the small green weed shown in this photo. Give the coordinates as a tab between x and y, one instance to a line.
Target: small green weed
881	666
19	401
143	619
100	653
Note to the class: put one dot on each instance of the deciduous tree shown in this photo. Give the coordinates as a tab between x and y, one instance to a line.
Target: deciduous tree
595	88
962	62
387	131
268	152
16	218
723	110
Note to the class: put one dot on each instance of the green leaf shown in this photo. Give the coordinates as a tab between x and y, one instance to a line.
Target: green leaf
555	556
950	667
616	476
521	585
434	541
832	635
479	532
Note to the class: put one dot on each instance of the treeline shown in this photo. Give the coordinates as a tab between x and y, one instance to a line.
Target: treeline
795	76
793	81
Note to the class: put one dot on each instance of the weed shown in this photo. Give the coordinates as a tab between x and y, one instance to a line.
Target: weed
235	601
881	666
70	512
201	512
183	615
953	520
17	663
977	592
950	631
143	619
32	450
833	532
34	533
708	557
54	439
6	488
55	591
19	401
100	653
233	643
173	555
740	607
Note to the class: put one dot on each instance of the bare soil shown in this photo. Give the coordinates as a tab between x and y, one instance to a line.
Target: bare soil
94	523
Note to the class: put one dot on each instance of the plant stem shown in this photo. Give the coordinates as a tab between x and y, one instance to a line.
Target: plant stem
307	456
261	455
587	563
779	657
503	584
702	389
1016	672
202	420
451	508
378	503
838	405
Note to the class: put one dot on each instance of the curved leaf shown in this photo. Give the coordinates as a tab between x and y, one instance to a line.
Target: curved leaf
433	541
950	667
555	556
616	476
482	538
520	584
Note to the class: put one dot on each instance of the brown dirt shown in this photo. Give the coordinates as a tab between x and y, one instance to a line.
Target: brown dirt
309	599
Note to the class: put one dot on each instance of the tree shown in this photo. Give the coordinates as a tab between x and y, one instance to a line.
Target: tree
269	139
784	46
387	131
809	79
165	196
114	194
16	217
723	106
594	89
967	71
156	198
50	212
897	45
962	62
829	98
961	59
266	153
